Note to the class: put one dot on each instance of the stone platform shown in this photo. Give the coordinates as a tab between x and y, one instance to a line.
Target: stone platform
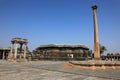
96	64
52	70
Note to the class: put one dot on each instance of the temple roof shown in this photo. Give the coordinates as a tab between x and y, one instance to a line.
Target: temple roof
65	45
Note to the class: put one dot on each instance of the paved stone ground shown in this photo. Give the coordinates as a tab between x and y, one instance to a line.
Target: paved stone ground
52	70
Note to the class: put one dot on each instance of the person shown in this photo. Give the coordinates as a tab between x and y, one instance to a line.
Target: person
106	59
112	59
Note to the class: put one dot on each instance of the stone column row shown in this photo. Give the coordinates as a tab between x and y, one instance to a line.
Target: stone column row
5	53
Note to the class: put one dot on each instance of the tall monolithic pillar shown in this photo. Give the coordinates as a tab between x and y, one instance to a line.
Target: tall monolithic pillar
96	37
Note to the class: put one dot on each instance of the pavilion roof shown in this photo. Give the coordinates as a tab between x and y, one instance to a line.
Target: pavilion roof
19	40
4	48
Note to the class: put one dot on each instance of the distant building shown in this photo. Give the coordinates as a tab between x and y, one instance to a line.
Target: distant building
63	51
4	53
111	56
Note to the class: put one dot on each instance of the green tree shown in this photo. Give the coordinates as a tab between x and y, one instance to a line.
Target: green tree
102	49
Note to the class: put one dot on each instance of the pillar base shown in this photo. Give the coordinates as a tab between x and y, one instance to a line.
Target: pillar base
97	58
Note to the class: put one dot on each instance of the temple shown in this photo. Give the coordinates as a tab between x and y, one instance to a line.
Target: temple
63	51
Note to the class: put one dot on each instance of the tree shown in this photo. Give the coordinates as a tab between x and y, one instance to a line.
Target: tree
102	49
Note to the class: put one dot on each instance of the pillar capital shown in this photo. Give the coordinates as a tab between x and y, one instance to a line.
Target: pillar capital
94	7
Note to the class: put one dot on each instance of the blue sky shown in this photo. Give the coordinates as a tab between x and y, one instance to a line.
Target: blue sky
60	22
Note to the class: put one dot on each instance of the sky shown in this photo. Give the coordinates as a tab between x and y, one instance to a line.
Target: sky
60	22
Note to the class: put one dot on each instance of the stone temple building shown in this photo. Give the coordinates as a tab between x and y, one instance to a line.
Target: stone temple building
4	53
63	51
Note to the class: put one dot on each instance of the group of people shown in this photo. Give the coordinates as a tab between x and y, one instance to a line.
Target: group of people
110	59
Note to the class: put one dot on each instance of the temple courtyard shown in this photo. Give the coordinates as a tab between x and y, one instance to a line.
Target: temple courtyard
52	70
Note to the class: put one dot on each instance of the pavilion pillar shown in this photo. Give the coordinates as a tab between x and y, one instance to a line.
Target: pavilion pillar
16	46
96	38
20	55
117	58
11	49
3	56
114	57
25	47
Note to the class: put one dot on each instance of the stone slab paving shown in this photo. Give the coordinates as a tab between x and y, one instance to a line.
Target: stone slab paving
58	66
50	70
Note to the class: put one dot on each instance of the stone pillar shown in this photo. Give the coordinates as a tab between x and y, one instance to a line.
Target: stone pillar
10	54
3	57
16	46
20	55
25	47
21	47
117	58
96	38
11	49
